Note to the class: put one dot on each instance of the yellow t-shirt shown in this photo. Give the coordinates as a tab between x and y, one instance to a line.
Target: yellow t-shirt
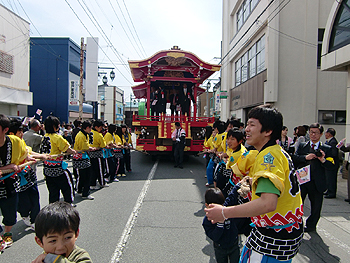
19	150
81	143
208	143
118	140
128	141
234	156
274	163
109	138
98	140
217	141
58	143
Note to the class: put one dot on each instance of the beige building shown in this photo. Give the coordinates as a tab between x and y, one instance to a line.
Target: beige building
14	64
271	54
111	104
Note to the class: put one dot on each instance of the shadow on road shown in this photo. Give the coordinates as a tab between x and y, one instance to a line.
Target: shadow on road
316	250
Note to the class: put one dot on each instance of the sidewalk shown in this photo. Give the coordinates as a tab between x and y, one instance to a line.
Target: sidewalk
331	242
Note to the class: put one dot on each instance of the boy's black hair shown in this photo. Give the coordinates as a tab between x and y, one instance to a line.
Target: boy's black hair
98	123
177	124
214	196
77	123
234	122
270	119
284	127
123	125
208	131
4	121
51	123
56	218
318	126
236	133
112	128
220	126
15	126
86	124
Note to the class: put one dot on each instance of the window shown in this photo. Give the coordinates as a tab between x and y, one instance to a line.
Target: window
244	67
251	63
238	72
260	55
244	11
239	18
319	46
331	117
253	4
340	35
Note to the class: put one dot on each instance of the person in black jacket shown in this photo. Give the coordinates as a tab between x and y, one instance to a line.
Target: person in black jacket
185	97
331	175
319	157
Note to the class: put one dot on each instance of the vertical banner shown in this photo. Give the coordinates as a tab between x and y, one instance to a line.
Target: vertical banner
91	69
74	92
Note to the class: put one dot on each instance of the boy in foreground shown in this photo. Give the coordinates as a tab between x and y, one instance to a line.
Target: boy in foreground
56	230
276	208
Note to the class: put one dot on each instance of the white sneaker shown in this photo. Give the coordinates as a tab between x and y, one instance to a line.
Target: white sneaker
105	185
96	187
89	197
116	180
26	221
32	227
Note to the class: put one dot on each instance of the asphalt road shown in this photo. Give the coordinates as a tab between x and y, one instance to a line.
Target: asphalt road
155	215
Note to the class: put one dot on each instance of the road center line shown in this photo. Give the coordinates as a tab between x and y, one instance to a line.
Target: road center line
132	218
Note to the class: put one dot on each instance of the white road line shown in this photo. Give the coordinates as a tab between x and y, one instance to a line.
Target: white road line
132	219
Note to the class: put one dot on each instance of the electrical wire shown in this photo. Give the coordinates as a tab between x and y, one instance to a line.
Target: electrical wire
103	33
124	28
134	28
96	41
129	28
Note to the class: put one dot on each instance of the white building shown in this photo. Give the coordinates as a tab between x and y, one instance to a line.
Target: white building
14	64
271	54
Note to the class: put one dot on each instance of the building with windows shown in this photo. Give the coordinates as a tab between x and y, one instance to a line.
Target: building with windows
336	47
271	53
55	78
14	64
111	104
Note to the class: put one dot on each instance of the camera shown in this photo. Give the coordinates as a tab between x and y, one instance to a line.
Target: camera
318	153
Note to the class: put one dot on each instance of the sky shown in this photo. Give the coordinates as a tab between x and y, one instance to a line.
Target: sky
128	29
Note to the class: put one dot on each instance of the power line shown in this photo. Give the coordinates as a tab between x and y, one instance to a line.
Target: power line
134	29
123	28
95	40
103	33
112	27
128	26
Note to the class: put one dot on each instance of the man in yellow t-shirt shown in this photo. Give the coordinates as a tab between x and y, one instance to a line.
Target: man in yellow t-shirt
276	208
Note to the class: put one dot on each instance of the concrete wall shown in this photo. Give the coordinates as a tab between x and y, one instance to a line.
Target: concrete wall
294	83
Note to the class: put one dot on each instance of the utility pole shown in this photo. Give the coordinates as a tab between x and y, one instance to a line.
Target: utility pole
82	48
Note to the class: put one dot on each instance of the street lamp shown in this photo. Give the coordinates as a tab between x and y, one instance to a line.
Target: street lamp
104	80
112	75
